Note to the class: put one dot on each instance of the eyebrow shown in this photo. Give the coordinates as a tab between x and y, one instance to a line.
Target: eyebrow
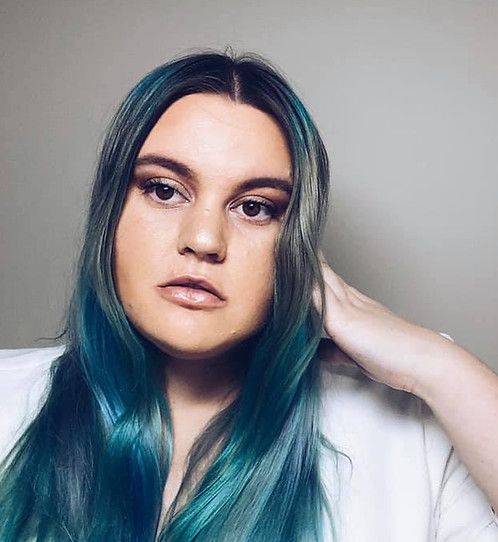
185	171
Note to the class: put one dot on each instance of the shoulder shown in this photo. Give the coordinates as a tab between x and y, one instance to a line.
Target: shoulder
24	375
380	419
397	447
12	359
355	402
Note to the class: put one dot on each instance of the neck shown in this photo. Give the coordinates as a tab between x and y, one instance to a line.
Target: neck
205	383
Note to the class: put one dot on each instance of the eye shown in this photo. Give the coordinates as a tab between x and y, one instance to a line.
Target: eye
252	208
162	190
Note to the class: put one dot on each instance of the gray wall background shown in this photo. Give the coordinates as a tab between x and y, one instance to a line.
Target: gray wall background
405	96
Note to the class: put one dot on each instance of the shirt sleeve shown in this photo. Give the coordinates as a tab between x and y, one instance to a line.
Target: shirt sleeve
462	512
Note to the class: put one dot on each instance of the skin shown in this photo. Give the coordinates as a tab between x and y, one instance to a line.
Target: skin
203	229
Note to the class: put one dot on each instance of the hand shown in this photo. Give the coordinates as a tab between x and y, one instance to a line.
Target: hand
384	346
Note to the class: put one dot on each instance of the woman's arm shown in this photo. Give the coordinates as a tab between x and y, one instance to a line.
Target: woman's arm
460	389
462	392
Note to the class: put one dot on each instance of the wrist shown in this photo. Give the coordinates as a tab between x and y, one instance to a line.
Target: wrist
447	378
445	375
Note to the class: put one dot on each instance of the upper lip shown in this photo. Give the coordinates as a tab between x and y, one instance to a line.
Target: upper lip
187	280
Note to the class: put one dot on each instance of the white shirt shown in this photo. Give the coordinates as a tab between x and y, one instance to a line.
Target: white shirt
406	485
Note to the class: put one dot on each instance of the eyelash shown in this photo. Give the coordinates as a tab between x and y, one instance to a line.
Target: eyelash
150	185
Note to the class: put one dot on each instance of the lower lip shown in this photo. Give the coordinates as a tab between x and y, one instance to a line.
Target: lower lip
193	298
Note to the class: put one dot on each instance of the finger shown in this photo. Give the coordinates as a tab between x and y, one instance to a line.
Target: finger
332	280
317	301
332	302
348	290
361	296
353	293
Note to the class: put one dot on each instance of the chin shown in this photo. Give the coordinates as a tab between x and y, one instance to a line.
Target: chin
190	349
197	342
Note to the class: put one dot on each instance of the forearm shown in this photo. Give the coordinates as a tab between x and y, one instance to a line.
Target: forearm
462	392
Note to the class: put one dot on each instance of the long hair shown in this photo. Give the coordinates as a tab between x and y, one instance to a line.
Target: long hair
93	463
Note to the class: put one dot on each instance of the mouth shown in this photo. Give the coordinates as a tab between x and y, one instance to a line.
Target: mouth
191	296
195	283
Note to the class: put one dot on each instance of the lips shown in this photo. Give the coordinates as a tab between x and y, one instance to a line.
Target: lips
195	282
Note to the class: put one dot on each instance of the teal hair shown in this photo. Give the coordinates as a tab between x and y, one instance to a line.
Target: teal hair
93	463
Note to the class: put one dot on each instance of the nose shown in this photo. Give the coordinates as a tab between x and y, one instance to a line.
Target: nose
202	232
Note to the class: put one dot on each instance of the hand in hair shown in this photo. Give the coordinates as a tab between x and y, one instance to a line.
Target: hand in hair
461	390
386	347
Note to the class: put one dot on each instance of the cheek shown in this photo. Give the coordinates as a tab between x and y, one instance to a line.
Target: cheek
135	254
253	268
125	260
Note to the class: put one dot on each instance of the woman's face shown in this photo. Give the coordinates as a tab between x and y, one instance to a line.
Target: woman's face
204	223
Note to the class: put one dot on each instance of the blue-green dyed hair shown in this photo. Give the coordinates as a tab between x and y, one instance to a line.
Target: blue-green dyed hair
93	463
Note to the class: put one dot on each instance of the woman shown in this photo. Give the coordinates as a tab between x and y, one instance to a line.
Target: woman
188	402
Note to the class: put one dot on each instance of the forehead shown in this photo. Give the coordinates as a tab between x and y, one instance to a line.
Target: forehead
216	135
